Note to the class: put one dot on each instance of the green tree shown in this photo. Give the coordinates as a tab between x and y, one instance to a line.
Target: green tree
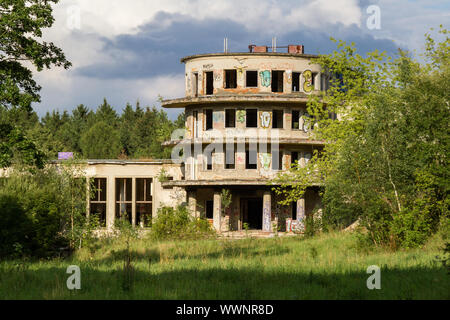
101	141
21	27
385	158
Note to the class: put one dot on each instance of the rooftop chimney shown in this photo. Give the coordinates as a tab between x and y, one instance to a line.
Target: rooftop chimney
255	48
294	48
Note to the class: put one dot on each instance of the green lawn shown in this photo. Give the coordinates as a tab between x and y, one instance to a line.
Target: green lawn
327	267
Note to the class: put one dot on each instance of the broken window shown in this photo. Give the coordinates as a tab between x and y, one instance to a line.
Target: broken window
277	119
251	79
209	82
277	81
295	119
230	118
230	156
251	158
209	119
251	118
294	157
208	155
97	205
295	81
124	198
209	209
144	194
230	79
277	160
294	210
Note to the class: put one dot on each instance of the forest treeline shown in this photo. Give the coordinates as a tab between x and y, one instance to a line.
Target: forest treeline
136	133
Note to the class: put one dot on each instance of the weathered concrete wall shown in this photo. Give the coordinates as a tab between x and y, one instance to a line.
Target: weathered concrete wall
262	64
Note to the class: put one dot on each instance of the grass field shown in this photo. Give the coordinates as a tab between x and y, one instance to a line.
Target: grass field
327	267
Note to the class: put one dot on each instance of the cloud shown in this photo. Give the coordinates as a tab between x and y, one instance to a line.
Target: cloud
157	50
127	51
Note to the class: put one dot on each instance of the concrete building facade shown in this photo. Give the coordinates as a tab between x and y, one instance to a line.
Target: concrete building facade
246	121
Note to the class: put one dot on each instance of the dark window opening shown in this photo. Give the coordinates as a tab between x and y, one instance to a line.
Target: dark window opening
294	157
251	118
209	82
230	79
144	202
229	157
124	198
209	119
230	118
97	205
277	81
295	81
209	209
277	119
250	159
251	79
277	160
208	155
294	211
295	119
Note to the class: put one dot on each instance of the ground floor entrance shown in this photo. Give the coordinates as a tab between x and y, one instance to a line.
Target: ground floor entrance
252	213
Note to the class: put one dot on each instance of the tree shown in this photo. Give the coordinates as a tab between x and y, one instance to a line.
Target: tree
385	158
21	26
101	141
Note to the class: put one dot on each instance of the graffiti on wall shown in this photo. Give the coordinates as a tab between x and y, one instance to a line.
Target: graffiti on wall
264	160
266	119
307	81
217	75
207	66
266	217
265	78
240	115
289	76
218	116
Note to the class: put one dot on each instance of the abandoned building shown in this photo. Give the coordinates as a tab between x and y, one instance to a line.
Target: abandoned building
245	123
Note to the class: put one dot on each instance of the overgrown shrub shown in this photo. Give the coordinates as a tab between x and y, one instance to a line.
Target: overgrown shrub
178	223
42	212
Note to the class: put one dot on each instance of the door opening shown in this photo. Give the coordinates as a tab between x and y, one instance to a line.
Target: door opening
252	211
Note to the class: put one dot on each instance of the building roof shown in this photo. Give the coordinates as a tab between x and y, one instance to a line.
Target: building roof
251	54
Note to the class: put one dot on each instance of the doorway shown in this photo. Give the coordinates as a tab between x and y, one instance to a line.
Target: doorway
252	209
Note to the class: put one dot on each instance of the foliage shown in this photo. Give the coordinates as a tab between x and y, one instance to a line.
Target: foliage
48	215
385	157
178	223
21	27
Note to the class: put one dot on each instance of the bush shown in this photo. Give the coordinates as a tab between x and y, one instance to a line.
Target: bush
46	217
177	223
15	228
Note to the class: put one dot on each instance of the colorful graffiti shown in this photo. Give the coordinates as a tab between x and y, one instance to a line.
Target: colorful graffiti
265	78
240	115
289	76
266	217
266	119
307	81
264	160
218	116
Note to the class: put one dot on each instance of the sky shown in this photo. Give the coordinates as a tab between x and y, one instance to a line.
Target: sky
129	51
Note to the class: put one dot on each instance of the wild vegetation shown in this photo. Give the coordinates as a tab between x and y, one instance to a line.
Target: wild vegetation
329	266
385	162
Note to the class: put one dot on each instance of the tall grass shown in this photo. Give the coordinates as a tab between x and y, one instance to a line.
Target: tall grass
328	266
